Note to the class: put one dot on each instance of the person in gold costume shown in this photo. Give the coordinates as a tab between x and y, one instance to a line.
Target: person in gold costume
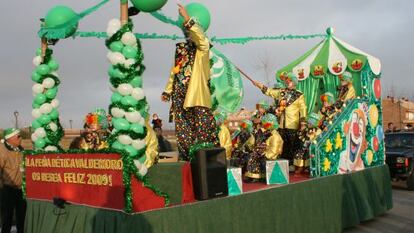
291	112
268	146
95	134
224	133
346	90
188	89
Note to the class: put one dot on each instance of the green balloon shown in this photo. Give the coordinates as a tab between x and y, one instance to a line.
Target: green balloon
132	152
51	93
38	52
137	128
200	13
148	5
36	77
54	114
35	105
116	97
40	143
117	145
43	69
40	99
129	52
129	100
53	65
44	119
116	46
136	81
60	15
120	124
36	124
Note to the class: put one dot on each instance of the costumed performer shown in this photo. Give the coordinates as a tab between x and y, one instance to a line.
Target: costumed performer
268	146
95	135
223	133
291	112
242	143
188	89
346	90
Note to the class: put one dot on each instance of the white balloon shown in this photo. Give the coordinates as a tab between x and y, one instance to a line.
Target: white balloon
40	133
138	144
46	108
138	93
133	117
51	148
37	60
125	139
117	112
55	74
115	58
34	137
53	127
55	103
143	171
138	164
128	38
48	83
36	113
115	22
38	88
125	89
129	62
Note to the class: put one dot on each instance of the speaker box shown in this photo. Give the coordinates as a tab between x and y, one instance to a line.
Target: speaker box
209	172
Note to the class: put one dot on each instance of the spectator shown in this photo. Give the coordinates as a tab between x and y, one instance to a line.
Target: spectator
11	181
390	128
156	123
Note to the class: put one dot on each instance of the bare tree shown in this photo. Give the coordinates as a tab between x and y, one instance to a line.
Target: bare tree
267	64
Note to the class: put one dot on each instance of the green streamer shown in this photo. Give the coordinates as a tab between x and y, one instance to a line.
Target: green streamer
165	19
60	31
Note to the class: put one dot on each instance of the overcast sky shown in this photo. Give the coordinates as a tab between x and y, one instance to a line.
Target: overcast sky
381	28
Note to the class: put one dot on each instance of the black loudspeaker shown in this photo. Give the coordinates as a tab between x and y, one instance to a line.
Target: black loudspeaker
209	172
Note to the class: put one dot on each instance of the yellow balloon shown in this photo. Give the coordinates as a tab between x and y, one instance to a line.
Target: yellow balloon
370	157
373	115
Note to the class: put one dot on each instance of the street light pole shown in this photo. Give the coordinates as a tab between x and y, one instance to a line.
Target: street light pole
16	118
70	123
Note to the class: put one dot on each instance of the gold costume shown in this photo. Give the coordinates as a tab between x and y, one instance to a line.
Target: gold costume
225	140
293	113
151	152
198	92
274	146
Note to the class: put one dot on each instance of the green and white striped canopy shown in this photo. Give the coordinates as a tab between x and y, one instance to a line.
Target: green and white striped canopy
331	55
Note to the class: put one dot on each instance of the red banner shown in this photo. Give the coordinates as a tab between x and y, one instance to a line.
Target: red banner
87	179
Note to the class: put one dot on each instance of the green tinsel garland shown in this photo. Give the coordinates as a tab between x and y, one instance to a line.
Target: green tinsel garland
129	170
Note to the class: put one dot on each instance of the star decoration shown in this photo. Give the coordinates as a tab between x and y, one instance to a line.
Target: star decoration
326	165
338	141
328	146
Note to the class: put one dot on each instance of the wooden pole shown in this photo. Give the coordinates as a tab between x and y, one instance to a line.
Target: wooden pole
245	75
44	47
124	12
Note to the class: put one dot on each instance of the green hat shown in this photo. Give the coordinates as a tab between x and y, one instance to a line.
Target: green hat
346	76
269	121
328	97
10	132
247	125
264	104
220	117
292	77
313	119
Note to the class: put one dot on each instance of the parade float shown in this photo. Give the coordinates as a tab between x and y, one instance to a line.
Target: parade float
119	189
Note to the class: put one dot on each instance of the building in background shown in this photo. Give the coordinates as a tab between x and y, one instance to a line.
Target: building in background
400	112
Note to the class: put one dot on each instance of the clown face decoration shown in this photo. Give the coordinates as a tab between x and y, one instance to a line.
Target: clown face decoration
355	130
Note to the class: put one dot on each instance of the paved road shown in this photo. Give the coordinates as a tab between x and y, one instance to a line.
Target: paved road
399	219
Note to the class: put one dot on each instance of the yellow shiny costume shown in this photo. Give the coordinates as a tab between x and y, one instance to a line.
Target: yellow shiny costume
274	146
225	140
188	90
151	152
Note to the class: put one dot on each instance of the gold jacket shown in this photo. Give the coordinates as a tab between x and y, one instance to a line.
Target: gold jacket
274	146
151	151
225	140
350	94
198	92
293	113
